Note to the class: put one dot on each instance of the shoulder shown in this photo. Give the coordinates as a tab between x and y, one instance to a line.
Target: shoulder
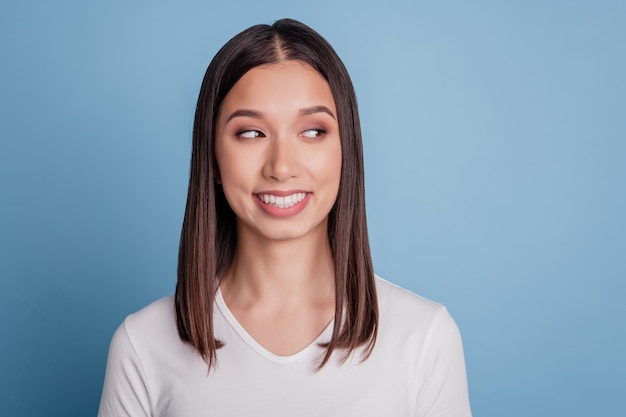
393	299
420	336
155	322
154	317
130	372
404	312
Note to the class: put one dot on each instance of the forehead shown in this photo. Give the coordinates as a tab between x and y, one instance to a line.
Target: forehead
290	84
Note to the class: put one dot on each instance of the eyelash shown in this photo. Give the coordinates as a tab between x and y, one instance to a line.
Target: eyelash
320	133
258	134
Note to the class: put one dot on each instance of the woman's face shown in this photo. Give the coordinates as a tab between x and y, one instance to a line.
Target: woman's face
278	151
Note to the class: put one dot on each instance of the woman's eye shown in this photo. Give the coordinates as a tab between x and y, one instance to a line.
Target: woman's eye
314	133
250	134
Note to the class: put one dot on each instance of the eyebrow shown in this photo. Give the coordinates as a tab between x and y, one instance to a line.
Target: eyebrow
245	113
307	111
316	109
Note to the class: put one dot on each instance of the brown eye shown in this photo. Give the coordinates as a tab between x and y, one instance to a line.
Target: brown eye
250	134
314	133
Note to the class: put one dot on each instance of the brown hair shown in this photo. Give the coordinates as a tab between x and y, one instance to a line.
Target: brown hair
209	236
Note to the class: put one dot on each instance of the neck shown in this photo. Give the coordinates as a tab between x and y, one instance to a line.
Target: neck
281	272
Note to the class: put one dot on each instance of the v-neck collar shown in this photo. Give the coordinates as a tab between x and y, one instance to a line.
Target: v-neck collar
310	352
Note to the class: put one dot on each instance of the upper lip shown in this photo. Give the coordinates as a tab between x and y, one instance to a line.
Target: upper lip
281	193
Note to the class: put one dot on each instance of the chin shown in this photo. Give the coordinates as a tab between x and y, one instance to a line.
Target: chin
291	232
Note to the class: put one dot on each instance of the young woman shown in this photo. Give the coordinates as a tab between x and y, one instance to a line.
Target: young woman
277	310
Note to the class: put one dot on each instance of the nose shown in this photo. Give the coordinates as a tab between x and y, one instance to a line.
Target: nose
281	163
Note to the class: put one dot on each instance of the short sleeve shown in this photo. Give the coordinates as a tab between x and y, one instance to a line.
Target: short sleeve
443	391
125	391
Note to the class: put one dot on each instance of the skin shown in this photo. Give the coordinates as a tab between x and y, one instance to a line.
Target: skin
277	134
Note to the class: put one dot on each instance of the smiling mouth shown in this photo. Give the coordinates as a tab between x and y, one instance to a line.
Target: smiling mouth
282	202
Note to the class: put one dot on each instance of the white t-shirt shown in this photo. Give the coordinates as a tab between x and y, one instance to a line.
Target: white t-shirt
417	368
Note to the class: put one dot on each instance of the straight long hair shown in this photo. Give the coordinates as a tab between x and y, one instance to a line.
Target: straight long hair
209	235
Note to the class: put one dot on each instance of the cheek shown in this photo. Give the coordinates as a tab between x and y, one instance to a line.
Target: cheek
229	174
327	165
235	183
234	176
335	162
234	165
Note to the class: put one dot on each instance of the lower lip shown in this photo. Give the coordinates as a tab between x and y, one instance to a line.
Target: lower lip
283	212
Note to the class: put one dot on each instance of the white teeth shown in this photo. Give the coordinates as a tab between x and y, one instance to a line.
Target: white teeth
282	202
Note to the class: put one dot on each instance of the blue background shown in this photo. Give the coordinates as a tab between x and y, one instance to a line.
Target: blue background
495	140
